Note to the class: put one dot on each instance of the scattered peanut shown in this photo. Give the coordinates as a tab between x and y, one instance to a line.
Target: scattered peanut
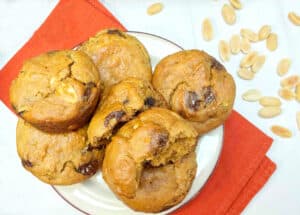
249	59
264	32
269	112
283	66
251	95
245	73
236	4
249	34
228	14
294	18
281	131
207	30
155	8
224	50
286	94
245	45
267	101
235	44
272	42
259	61
290	81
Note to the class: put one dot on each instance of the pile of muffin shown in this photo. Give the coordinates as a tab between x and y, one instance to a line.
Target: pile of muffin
100	107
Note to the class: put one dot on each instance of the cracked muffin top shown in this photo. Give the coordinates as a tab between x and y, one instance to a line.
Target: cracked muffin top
120	103
56	91
117	56
197	87
60	159
141	161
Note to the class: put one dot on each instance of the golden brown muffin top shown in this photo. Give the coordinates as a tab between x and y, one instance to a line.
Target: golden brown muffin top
155	138
55	89
118	56
195	84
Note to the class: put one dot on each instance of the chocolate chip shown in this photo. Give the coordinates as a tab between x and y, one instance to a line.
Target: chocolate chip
216	64
209	95
114	115
192	100
88	168
126	101
116	32
149	101
26	163
87	91
158	141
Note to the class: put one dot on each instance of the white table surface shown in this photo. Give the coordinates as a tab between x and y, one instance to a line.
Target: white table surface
180	21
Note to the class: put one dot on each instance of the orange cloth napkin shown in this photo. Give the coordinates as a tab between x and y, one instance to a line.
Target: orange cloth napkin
242	169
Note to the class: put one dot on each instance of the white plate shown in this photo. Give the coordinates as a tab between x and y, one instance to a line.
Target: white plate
94	197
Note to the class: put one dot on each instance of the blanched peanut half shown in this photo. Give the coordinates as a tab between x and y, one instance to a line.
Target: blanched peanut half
249	34
236	4
228	14
298	119
297	92
245	45
290	81
249	59
272	42
283	66
269	112
67	92
286	94
224	50
269	101
259	61
207	30
154	8
264	32
235	44
294	18
281	131
245	73
251	95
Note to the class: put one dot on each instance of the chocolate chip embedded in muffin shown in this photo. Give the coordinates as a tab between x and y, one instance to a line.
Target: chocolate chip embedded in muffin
56	91
192	100
60	159
209	95
88	168
198	86
88	91
149	101
117	115
26	163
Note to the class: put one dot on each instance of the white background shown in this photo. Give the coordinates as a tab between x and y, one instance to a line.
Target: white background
180	21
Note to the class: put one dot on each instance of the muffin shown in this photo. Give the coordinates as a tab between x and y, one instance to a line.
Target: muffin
122	102
197	87
57	159
118	56
150	163
56	91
